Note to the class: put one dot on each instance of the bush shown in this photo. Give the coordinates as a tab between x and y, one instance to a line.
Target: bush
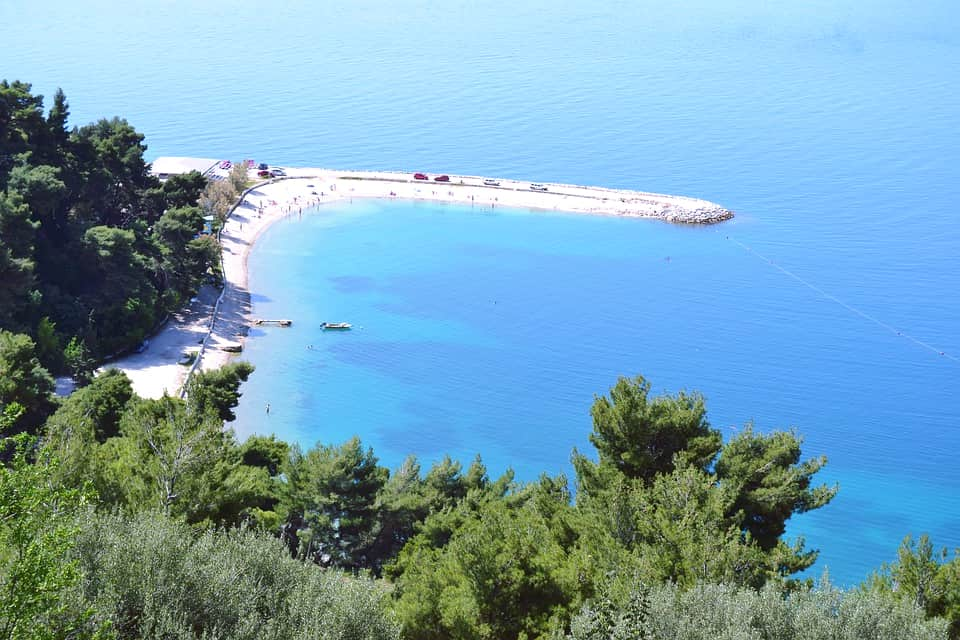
718	612
150	577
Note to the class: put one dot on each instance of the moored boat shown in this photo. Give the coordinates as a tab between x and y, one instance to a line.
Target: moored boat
336	325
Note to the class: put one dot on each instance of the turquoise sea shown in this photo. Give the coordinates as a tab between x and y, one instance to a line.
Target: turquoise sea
830	303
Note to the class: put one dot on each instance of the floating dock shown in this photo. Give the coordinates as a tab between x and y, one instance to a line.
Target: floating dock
279	323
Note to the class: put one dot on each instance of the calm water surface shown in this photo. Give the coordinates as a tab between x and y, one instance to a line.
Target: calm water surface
830	127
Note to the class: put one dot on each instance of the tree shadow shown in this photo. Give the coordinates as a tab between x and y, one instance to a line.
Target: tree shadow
231	322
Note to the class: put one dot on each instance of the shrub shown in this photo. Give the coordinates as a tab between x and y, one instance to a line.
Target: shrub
151	577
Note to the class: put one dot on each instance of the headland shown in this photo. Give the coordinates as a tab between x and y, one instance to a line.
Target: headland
214	329
521	194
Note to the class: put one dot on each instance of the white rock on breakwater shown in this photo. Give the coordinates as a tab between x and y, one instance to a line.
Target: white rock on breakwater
702	215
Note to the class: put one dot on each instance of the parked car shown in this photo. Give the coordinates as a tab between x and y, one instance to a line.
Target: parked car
276	173
490	182
225	164
263	166
420	176
263	174
536	186
442	179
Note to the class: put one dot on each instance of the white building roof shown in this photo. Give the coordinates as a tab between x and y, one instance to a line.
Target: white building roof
171	166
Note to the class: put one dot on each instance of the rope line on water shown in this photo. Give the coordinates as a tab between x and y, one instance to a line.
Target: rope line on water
866	316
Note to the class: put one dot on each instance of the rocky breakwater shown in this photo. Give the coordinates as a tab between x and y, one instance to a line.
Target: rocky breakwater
674	209
710	214
669	208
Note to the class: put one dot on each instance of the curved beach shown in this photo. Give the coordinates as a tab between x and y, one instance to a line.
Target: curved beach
479	190
156	370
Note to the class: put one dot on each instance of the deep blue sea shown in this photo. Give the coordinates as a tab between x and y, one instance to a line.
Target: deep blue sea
830	304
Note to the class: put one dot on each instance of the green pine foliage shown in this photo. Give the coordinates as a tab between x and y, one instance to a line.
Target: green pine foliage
23	383
219	389
331	499
167	454
630	555
642	438
509	568
37	533
925	577
92	247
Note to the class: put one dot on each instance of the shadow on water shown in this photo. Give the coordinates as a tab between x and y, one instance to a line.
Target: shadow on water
353	284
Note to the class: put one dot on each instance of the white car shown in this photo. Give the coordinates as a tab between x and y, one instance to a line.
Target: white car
276	173
490	182
536	186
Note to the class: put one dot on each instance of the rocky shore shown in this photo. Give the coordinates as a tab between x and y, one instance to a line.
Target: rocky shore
701	215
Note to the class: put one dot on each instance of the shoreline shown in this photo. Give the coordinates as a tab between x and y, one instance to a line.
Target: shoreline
569	198
157	370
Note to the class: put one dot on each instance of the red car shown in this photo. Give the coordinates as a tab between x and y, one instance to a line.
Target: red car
420	176
442	179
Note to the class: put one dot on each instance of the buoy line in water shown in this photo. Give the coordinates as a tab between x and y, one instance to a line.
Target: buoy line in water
866	316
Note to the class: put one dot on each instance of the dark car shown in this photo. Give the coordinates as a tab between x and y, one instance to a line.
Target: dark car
442	179
263	166
420	176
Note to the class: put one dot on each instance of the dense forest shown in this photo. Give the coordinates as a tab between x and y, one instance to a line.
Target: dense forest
94	251
137	518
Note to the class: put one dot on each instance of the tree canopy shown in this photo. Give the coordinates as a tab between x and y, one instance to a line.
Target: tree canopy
924	577
24	383
464	555
642	437
37	532
89	240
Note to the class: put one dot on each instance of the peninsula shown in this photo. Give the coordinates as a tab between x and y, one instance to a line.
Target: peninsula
213	329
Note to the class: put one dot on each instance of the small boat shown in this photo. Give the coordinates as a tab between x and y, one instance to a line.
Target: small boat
336	325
